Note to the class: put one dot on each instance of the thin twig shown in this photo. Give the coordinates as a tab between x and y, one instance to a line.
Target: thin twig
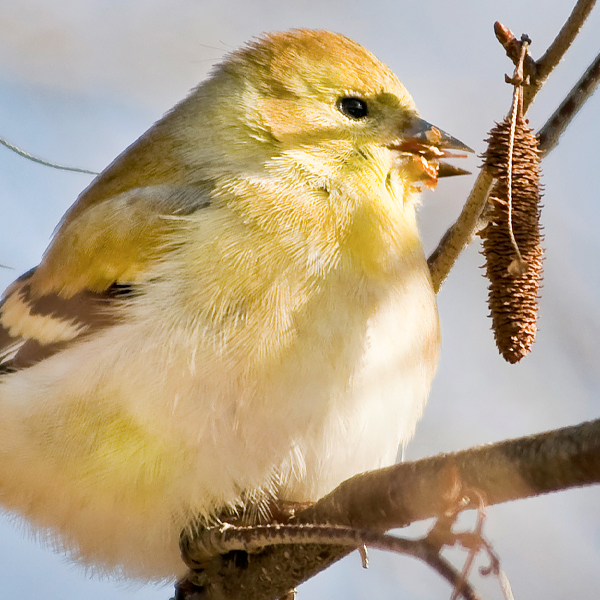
558	48
505	585
555	126
461	233
516	111
41	161
474	549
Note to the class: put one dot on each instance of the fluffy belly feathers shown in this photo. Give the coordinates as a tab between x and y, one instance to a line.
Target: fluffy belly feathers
116	464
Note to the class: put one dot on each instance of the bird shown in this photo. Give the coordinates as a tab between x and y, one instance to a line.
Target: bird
236	312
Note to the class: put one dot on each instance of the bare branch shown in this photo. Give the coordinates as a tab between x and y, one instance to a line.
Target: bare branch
558	48
556	125
41	161
509	470
252	539
399	495
461	233
538	71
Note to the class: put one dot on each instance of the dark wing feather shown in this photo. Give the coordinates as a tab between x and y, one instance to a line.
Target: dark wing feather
34	328
64	299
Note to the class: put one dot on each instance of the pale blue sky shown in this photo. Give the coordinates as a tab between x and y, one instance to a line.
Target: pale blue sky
79	80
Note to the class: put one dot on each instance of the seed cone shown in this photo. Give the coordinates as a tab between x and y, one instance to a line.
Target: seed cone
514	286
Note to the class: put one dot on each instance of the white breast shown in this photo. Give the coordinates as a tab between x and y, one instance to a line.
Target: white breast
115	456
379	407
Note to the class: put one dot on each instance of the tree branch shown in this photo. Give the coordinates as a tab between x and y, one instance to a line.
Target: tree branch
557	49
556	125
399	495
253	539
462	232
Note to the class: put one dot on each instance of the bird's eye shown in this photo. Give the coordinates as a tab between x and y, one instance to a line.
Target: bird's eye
355	108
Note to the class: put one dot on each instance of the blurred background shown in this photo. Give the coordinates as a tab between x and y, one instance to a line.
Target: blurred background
82	79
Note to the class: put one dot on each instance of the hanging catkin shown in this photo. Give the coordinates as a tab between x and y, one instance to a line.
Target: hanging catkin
514	280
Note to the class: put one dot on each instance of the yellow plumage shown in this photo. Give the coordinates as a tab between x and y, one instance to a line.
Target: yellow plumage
238	308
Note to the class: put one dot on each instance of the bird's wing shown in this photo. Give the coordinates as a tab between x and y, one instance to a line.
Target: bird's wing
100	255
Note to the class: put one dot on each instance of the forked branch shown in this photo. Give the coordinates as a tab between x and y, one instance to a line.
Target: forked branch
462	232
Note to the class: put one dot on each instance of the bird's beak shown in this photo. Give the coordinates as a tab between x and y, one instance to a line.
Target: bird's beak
424	145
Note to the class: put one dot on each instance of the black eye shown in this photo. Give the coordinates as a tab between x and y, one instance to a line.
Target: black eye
355	108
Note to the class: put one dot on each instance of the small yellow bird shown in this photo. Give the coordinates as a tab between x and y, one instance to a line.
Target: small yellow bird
237	311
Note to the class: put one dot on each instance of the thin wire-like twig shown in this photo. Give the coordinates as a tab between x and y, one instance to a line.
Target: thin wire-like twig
41	161
515	110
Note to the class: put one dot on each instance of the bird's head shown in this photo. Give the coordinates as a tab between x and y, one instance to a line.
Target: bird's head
327	96
318	100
